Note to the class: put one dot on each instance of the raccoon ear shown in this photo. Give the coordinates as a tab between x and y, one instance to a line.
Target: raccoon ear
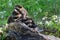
19	6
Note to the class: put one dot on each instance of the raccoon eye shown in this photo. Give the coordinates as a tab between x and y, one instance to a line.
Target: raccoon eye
15	13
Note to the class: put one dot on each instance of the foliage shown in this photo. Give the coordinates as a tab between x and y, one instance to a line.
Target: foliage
44	12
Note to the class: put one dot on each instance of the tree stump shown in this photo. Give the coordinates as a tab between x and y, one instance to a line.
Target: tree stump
20	31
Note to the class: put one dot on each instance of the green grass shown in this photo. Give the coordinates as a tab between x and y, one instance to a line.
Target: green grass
37	9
